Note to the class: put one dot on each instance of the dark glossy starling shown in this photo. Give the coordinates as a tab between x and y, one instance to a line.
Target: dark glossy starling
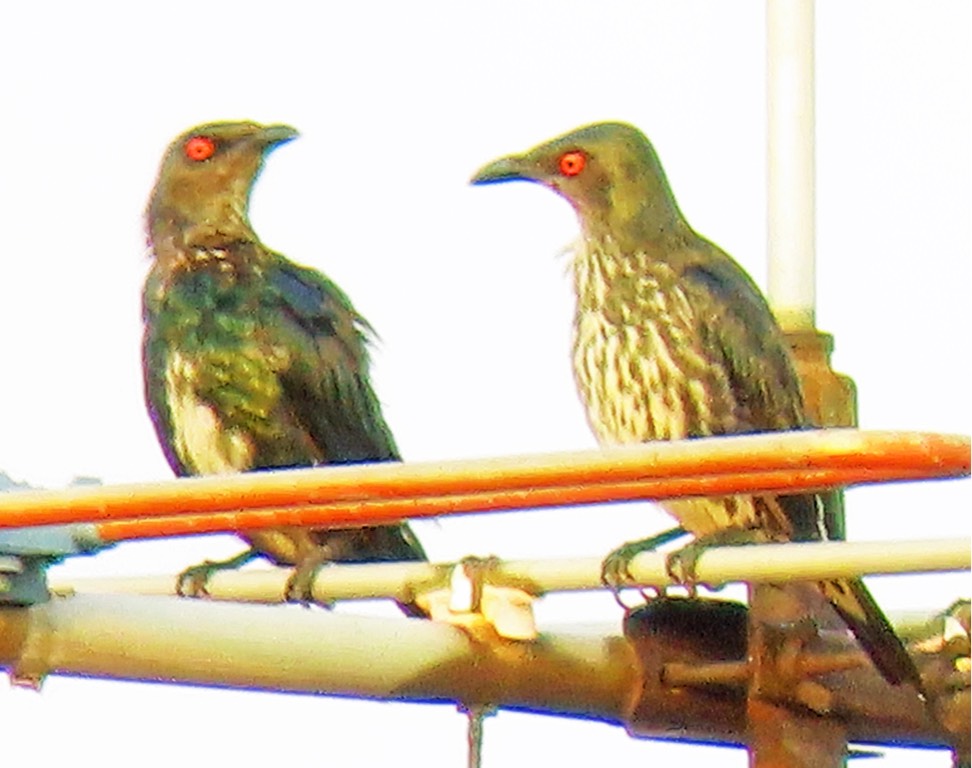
253	362
673	340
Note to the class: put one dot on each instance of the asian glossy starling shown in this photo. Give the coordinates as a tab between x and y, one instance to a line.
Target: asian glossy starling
253	362
673	340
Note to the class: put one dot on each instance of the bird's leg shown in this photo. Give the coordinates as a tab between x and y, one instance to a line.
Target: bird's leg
300	585
681	563
614	570
192	581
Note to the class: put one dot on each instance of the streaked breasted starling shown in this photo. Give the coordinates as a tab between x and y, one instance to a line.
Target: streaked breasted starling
673	340
250	361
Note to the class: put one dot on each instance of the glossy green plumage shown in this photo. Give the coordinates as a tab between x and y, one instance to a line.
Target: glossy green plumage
285	370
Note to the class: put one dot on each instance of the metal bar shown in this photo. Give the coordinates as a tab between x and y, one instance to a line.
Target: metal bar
595	674
368	512
380	493
769	563
274	649
791	176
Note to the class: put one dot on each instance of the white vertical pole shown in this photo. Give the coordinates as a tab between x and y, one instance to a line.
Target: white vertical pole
790	102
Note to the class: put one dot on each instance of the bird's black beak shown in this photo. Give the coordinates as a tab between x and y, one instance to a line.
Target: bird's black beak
510	168
275	135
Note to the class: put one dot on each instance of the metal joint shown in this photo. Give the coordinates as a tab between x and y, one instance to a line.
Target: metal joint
25	554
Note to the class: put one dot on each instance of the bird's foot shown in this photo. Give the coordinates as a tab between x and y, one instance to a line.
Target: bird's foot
615	574
681	563
300	585
192	581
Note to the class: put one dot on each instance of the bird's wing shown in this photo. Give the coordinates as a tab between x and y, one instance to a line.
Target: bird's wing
740	330
327	383
329	393
156	399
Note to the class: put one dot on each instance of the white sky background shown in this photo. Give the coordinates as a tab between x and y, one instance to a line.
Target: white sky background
398	104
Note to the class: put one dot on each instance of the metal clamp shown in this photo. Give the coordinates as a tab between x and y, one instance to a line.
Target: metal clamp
25	554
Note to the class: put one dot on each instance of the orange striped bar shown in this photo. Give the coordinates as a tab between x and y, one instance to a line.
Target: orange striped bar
382	493
373	511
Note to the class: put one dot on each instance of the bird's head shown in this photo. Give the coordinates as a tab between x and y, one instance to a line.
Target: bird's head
207	173
609	173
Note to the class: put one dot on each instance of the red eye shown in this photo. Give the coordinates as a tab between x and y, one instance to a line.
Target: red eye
572	163
199	148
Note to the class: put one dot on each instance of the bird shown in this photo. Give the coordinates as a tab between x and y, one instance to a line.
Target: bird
251	361
673	340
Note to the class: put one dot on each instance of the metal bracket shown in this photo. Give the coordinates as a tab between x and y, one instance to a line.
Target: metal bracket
25	554
476	599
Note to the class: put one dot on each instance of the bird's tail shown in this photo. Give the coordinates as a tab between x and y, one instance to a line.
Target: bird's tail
851	599
392	543
303	548
412	610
